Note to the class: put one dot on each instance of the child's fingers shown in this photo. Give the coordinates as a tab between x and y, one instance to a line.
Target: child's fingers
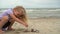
26	25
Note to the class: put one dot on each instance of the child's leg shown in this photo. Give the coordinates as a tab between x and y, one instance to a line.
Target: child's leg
12	22
6	25
3	21
10	26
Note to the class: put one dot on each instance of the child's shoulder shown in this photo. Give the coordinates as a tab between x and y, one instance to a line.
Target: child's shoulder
7	10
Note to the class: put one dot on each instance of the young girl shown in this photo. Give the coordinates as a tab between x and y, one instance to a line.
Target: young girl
8	17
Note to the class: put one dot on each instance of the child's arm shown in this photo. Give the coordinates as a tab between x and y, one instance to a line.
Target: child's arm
18	20
25	21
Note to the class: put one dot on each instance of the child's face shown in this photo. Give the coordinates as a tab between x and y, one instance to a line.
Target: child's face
18	13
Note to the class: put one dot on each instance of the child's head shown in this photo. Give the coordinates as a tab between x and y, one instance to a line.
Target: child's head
19	11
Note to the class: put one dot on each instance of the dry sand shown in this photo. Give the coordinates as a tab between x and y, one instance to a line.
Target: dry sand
44	25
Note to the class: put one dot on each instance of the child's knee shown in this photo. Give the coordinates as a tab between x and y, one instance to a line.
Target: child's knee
5	18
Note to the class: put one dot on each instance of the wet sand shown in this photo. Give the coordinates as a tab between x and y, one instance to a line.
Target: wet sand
44	25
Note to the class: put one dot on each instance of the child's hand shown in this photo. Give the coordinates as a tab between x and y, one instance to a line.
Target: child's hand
25	25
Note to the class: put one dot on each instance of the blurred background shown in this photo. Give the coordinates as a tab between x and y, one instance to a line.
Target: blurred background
46	12
34	8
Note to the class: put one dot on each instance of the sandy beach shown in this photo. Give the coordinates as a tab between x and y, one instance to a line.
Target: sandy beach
44	25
